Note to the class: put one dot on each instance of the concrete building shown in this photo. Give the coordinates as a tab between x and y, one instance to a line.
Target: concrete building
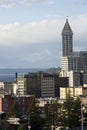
73	91
50	84
1	85
33	84
41	84
67	40
75	61
21	82
47	86
72	63
8	87
73	77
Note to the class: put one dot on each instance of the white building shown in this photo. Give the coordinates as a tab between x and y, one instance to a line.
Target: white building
1	85
15	88
72	63
75	61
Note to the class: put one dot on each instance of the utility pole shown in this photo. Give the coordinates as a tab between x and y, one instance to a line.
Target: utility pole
82	119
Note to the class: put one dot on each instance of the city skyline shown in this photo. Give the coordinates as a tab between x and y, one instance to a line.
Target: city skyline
30	31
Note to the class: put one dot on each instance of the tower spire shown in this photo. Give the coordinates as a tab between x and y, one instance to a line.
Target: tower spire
67	18
67	40
67	29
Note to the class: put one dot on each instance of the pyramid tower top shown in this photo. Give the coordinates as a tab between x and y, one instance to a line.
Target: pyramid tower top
67	29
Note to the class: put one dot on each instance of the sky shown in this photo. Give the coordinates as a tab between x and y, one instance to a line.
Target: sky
30	31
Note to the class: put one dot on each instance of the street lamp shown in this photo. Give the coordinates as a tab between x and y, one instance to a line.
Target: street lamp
52	127
82	119
29	127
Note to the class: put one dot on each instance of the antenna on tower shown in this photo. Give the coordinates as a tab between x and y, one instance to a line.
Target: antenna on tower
67	18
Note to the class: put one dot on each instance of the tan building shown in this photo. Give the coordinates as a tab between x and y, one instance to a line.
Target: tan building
73	91
2	85
83	100
21	81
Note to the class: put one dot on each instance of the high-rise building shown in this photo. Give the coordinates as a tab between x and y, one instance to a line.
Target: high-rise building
67	40
71	61
21	81
75	61
41	84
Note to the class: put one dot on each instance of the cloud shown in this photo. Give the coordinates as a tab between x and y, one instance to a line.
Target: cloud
29	33
7	3
34	1
41	32
51	2
39	56
12	3
79	27
36	44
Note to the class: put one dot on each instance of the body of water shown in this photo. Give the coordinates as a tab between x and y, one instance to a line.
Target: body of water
8	75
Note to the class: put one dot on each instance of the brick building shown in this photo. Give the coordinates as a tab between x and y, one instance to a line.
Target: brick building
24	102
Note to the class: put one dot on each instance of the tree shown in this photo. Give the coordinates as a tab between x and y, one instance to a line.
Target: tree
52	114
36	121
22	127
33	118
71	112
15	111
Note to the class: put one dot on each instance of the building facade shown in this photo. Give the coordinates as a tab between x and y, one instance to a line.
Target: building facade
41	84
72	63
24	103
47	86
21	82
72	91
75	61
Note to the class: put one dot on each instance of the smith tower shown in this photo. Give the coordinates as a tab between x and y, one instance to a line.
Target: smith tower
67	40
73	63
69	59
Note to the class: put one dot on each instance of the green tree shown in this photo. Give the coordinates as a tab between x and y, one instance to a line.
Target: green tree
52	114
71	113
15	111
22	127
34	118
36	121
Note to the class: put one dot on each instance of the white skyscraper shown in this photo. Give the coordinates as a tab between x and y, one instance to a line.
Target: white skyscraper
71	62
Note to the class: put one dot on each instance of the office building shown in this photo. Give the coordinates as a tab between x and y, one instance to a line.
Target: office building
71	61
72	91
41	84
47	86
21	81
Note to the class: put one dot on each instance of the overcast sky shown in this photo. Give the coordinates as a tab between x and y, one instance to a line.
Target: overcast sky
30	31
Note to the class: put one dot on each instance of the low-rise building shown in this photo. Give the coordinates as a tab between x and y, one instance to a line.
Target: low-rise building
72	91
24	102
8	87
1	85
